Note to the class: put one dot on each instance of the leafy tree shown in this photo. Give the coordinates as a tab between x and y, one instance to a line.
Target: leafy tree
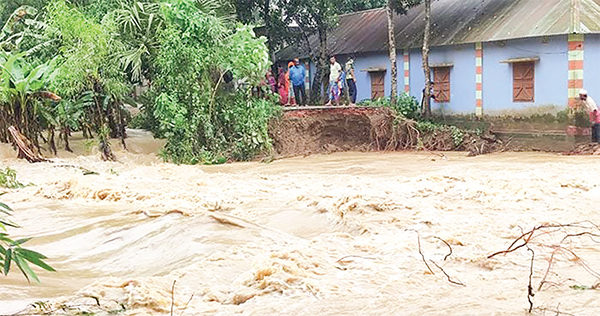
86	55
8	7
98	9
138	27
349	6
270	15
314	17
199	49
200	64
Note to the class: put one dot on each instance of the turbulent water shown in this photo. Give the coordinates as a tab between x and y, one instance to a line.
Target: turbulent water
320	235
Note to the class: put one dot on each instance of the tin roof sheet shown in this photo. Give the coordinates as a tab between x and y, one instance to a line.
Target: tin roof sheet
459	22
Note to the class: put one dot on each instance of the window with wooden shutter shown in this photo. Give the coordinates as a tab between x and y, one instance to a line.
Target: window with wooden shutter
441	80
377	85
523	81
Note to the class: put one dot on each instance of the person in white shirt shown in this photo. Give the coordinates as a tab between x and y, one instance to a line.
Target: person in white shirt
335	73
588	104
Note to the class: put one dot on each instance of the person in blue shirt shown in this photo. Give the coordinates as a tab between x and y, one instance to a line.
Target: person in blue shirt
297	75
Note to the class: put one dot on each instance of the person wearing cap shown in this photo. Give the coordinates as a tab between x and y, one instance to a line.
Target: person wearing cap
588	104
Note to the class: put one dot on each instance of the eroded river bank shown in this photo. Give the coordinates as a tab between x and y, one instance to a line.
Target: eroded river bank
321	235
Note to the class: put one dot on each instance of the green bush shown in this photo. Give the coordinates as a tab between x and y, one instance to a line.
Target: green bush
204	118
458	135
8	179
406	106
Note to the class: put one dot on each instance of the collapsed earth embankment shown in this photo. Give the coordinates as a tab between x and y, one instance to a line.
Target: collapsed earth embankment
313	131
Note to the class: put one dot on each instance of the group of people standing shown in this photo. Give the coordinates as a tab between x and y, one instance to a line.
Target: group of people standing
341	79
290	84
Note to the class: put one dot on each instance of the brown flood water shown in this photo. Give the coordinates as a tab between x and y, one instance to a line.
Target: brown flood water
321	235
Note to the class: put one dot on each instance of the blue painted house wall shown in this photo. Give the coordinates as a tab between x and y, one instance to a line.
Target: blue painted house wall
462	76
591	65
363	78
551	73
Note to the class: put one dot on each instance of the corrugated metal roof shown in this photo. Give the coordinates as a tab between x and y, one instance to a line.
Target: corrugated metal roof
461	21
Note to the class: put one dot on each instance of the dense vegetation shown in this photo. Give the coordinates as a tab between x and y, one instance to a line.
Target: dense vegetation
75	66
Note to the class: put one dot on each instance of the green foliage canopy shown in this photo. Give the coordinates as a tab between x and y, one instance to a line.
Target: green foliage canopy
198	50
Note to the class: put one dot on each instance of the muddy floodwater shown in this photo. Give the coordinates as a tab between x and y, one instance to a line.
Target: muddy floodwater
320	235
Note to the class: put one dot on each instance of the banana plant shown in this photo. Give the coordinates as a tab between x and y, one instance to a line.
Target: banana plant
12	252
68	115
23	24
22	86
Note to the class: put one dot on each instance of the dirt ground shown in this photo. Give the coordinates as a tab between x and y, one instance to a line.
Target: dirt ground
585	149
306	132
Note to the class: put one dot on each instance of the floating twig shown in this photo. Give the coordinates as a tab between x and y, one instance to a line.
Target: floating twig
550	262
530	293
446	274
447	244
354	256
186	304
173	296
421	253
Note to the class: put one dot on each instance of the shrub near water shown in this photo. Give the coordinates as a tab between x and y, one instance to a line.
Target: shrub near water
405	105
203	116
8	179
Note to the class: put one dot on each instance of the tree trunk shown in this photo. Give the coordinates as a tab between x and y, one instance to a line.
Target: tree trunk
66	132
51	142
26	149
426	69
320	82
392	50
266	15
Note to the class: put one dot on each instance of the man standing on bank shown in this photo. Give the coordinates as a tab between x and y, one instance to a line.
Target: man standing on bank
297	75
351	80
588	104
335	74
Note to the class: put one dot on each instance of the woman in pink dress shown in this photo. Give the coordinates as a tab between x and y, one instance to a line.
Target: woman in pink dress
283	87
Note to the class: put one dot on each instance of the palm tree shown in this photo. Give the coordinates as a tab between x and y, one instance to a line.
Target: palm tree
139	26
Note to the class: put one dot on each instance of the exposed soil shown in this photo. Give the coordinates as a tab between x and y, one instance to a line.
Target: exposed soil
305	132
585	149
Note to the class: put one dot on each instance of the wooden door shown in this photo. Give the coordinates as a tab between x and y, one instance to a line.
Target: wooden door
441	79
377	85
523	82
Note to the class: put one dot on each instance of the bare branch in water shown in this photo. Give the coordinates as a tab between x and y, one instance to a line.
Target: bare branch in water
570	231
173	296
354	256
446	274
447	244
530	293
421	253
186	304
